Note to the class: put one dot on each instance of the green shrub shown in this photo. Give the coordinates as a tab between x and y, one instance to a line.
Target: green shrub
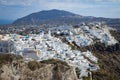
33	65
86	78
54	61
77	71
8	58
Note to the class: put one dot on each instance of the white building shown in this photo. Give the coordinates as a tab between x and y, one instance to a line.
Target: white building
6	45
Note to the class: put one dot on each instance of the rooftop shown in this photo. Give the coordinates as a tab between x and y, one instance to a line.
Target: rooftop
4	38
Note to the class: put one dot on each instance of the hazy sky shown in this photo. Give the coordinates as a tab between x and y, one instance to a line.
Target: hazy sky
13	9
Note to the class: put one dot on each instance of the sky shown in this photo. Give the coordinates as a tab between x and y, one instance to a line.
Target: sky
14	9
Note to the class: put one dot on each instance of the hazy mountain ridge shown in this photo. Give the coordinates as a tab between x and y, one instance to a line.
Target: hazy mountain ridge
39	17
60	17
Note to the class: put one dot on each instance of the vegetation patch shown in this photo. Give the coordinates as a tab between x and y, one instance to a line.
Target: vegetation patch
109	66
86	78
8	58
116	34
77	71
34	65
54	61
109	60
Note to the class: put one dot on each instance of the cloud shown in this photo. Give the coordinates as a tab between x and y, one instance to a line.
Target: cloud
16	2
109	0
67	6
20	8
33	2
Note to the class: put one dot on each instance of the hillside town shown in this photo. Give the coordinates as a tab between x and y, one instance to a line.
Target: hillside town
49	45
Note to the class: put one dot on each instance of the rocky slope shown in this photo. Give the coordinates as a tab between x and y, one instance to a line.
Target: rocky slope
15	68
108	59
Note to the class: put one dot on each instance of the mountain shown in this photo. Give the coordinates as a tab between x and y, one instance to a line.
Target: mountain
43	16
55	17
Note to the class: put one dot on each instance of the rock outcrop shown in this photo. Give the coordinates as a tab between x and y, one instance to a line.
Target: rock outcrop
33	70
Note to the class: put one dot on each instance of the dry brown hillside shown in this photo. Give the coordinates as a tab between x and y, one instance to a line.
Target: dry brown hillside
13	67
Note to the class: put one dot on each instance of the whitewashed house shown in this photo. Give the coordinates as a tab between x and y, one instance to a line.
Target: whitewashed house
6	45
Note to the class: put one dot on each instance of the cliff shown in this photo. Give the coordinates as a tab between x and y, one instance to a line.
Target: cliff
18	69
